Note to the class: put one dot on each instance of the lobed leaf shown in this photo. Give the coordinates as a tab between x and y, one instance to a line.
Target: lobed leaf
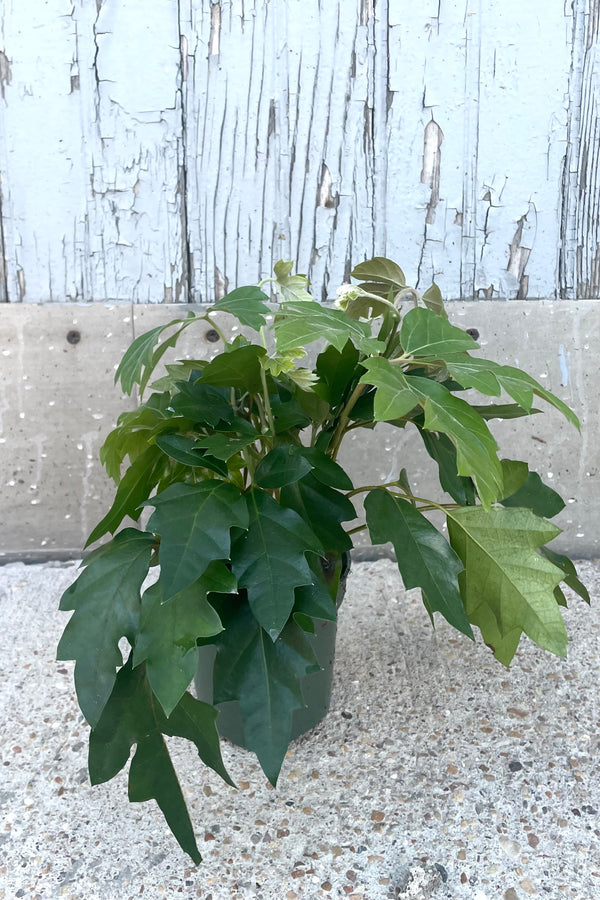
298	324
425	334
247	304
106	603
140	359
380	269
507	586
194	522
424	557
269	560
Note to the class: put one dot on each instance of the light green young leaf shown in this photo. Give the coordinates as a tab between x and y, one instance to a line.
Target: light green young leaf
299	324
140	359
394	397
290	287
379	269
247	304
432	298
106	600
426	335
424	557
269	560
506	577
194	522
139	480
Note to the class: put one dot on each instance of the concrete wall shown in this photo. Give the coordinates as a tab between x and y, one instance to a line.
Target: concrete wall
58	401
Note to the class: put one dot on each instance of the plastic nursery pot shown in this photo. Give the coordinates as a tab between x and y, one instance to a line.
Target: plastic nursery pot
316	687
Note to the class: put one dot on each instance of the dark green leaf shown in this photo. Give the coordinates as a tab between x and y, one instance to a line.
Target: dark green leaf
570	577
380	269
336	370
106	600
186	451
130	437
323	509
508	588
283	465
240	368
514	476
424	557
169	631
424	334
131	717
264	676
224	446
502	411
326	470
202	403
441	449
247	304
134	488
533	494
269	560
194	522
475	445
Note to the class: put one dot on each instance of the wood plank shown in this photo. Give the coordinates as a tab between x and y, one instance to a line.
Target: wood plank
91	156
279	165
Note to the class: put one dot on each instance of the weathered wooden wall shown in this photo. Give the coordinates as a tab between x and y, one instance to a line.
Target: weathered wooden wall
163	150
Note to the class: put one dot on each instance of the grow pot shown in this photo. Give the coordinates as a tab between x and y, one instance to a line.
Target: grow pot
316	687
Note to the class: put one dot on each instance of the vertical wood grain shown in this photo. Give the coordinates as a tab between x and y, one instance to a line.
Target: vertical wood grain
579	259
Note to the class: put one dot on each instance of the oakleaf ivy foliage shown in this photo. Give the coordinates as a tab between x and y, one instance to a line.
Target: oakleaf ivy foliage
237	459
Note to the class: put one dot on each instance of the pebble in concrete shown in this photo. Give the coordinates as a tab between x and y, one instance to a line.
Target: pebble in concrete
436	774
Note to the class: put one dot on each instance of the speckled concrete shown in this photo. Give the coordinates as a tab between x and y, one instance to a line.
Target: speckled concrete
436	774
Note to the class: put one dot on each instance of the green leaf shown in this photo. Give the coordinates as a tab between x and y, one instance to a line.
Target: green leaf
424	557
269	560
264	676
323	509
202	403
569	571
531	492
380	269
514	476
522	387
106	600
394	397
130	437
185	450
424	334
247	304
475	445
432	298
506	581
502	411
168	633
131	717
298	324
140	359
224	446
239	368
336	370
441	449
326	470
135	486
283	465
290	287
471	372
194	522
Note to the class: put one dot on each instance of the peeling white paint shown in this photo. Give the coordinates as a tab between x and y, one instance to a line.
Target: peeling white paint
188	146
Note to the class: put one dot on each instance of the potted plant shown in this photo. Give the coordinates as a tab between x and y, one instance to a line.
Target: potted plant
252	513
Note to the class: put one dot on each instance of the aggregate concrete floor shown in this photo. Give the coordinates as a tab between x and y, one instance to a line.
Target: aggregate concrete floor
437	773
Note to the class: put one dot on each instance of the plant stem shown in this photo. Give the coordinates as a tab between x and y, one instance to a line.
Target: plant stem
344	418
214	325
267	402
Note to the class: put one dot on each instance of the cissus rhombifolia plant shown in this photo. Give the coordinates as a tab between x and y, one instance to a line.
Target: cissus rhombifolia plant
237	459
